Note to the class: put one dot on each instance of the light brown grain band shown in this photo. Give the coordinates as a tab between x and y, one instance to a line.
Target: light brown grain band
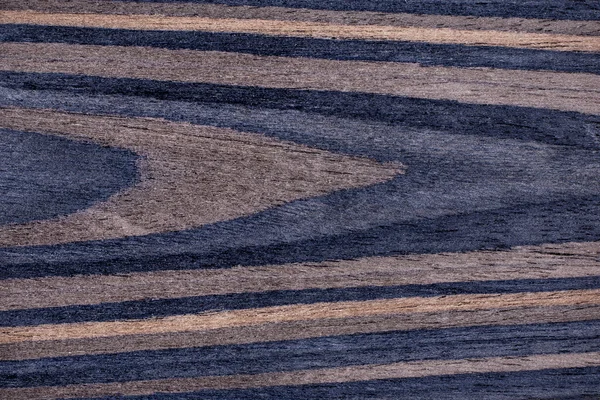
534	262
553	90
190	175
303	312
526	40
218	11
299	330
356	373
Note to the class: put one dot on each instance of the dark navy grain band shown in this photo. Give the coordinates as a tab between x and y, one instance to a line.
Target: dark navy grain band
432	170
412	52
502	122
325	352
567	384
153	308
44	176
550	9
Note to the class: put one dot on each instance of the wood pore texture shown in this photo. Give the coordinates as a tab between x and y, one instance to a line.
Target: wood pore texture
299	199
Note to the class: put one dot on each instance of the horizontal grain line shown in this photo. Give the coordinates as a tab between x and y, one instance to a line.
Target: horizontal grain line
400	370
526	40
277	314
309	15
554	90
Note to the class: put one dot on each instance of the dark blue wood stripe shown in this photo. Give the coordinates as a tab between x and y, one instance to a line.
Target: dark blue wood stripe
557	201
550	384
142	97
423	53
556	222
44	176
334	351
190	305
552	9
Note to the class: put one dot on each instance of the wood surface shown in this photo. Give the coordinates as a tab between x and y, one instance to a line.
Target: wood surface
298	199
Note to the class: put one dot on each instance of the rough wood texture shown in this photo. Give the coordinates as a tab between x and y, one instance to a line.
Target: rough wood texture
541	41
190	176
555	90
298	199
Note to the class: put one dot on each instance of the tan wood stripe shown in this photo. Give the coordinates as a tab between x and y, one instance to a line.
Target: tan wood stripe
554	90
300	330
534	262
356	373
308	15
525	40
308	312
190	175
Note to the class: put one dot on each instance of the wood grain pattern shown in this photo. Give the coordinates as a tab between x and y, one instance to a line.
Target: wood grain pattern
391	371
317	311
559	91
542	41
521	317
176	158
299	199
523	263
208	10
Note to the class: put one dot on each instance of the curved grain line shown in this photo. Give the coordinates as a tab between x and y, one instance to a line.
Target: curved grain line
191	176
